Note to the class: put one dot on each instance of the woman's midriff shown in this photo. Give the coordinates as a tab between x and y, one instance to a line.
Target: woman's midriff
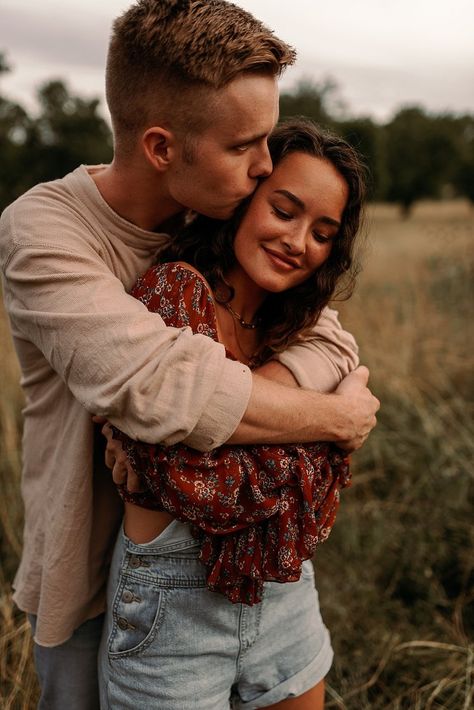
143	525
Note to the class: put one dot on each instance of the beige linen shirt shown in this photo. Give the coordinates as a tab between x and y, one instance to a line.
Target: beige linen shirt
85	346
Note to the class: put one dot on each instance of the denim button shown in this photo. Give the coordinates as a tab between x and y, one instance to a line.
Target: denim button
127	596
123	623
134	562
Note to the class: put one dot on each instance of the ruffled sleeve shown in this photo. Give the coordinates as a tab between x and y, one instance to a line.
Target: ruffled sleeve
180	295
258	511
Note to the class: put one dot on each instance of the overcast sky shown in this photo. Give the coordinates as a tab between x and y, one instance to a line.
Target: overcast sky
382	53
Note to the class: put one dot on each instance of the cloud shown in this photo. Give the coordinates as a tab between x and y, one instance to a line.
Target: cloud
61	39
380	59
380	91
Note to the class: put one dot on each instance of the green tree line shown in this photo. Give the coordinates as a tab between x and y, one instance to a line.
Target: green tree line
67	131
415	155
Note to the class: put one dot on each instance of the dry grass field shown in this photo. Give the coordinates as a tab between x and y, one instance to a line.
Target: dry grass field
396	578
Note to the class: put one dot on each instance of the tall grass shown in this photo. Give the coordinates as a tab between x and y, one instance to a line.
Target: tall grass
396	577
18	687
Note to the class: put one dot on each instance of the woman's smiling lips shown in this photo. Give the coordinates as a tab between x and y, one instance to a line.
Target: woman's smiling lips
281	260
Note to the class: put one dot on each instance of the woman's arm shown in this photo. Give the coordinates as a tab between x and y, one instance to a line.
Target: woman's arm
326	355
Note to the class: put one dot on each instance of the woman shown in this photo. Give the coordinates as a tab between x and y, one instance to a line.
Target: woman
270	271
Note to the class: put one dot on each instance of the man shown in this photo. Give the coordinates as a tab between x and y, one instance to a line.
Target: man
191	88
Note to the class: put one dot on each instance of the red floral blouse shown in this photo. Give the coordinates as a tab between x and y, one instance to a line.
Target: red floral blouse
258	511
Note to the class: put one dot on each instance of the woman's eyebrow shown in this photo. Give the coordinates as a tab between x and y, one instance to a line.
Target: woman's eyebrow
332	222
296	200
299	203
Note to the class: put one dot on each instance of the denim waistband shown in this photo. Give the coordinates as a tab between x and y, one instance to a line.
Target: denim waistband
176	536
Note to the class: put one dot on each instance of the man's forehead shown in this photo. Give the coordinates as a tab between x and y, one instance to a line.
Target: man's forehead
251	89
246	110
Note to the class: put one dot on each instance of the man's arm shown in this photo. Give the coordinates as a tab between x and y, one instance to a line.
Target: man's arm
350	417
319	363
346	417
119	360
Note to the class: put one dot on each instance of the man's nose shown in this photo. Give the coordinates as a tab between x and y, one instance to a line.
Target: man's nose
262	166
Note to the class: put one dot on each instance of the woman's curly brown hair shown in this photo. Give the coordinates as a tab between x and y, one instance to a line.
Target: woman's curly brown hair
285	317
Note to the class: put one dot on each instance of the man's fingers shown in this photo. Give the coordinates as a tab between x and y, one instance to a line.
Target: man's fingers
352	444
119	474
98	419
360	438
116	459
362	374
113	451
133	482
123	474
108	433
348	446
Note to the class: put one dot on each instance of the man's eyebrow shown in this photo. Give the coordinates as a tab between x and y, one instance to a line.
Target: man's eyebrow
299	203
243	140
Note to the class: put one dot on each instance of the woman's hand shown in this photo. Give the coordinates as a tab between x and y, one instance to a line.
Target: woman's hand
116	459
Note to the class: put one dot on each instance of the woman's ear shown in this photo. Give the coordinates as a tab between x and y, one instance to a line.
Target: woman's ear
159	147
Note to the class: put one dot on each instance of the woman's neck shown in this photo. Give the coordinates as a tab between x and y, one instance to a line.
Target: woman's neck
248	297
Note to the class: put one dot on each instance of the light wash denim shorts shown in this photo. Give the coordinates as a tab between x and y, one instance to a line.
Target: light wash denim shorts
171	644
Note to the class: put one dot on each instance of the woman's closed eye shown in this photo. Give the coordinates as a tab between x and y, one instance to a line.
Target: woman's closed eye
322	238
281	214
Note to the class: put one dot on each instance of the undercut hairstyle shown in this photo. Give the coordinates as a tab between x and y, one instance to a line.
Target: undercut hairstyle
167	57
288	316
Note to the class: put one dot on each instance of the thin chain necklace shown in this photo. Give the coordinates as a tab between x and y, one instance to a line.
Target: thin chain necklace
249	356
250	325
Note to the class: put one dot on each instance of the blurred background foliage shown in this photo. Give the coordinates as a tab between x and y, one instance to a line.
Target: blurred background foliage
67	131
416	155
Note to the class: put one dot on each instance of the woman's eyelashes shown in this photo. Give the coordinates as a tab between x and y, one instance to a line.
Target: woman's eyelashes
322	238
287	216
281	214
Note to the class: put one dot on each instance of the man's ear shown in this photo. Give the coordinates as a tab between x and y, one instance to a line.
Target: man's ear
159	145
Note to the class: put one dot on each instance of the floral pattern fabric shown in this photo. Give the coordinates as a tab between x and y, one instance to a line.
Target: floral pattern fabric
258	511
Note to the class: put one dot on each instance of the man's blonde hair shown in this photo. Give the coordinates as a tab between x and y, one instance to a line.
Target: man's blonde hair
167	57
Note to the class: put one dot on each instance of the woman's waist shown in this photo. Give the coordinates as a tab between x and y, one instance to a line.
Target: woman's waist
142	525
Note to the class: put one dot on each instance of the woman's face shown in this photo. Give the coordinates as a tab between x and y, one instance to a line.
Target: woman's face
291	223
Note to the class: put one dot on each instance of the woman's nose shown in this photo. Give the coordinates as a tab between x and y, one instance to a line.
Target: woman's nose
295	241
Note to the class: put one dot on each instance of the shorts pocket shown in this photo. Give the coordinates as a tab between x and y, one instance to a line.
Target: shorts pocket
137	613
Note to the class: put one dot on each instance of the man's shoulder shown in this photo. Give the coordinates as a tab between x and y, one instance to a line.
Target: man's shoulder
43	196
42	214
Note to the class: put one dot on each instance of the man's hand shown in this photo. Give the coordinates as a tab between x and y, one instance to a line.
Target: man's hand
116	459
279	414
361	406
359	401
